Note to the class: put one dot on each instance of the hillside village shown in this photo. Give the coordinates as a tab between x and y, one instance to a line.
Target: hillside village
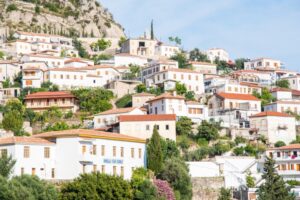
69	99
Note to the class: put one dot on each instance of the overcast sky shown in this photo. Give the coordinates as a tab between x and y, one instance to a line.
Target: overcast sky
245	28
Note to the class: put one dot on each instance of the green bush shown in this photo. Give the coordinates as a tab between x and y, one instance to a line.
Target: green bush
11	7
279	144
125	101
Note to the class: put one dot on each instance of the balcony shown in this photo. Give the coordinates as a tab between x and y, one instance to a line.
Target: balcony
86	158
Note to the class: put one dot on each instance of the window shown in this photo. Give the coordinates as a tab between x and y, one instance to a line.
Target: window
122	152
147	127
83	149
140	153
167	127
28	82
94	168
278	154
26	152
132	152
33	171
46	152
122	171
189	77
102	150
52	173
3	153
182	76
103	168
114	170
94	149
114	151
22	170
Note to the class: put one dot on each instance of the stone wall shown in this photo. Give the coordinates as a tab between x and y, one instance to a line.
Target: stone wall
207	188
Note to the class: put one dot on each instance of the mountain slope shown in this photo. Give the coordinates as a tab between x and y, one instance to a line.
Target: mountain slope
83	18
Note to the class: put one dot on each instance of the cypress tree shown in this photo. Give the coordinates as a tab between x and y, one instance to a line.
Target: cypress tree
274	187
154	153
152	31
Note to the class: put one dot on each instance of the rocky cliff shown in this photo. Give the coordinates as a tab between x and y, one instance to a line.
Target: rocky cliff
82	18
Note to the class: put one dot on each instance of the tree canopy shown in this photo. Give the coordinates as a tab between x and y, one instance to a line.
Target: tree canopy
6	165
154	152
283	83
197	55
184	126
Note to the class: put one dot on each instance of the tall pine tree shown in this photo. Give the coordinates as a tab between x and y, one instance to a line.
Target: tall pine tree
274	187
152	31
154	153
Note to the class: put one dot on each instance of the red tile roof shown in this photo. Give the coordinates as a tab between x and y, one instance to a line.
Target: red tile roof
88	133
296	92
43	95
23	140
281	90
143	94
75	60
130	118
201	63
248	97
288	147
271	113
166	96
117	111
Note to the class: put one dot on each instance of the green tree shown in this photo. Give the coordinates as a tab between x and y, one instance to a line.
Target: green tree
81	50
13	121
274	187
208	131
180	88
250	180
176	172
176	40
7	164
152	31
154	152
125	101
239	63
11	7
190	95
121	41
279	144
145	191
134	72
184	126
97	186
197	55
283	83
93	100
181	59
38	188
169	148
225	194
141	88
1	55
6	83
266	96
100	45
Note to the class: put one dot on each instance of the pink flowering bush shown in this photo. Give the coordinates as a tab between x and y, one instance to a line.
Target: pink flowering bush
164	189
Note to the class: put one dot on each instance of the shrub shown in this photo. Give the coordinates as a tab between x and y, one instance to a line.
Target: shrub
124	102
164	190
11	7
279	144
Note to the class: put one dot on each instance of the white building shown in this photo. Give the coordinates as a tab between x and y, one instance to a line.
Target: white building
217	53
140	99
167	79
156	66
264	78
51	61
274	126
263	63
8	69
204	67
284	106
287	161
233	109
64	155
78	62
294	81
174	104
282	93
110	117
125	59
164	50
142	46
142	126
234	169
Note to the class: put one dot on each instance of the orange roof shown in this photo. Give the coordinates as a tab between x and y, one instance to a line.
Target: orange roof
88	133
74	60
288	147
248	97
43	95
117	111
180	70
143	94
166	96
286	102
201	63
271	113
296	92
193	103
129	118
281	90
250	84
23	140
